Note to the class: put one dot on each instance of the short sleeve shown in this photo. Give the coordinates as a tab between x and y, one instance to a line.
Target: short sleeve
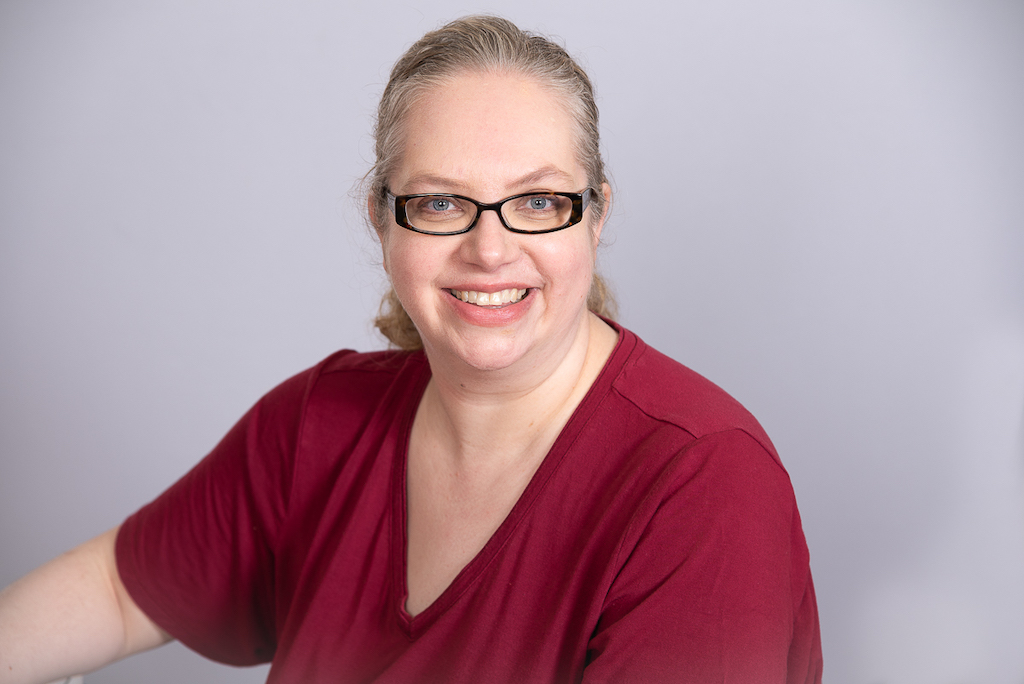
714	584
199	559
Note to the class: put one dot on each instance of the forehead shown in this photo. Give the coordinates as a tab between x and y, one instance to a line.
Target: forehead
487	132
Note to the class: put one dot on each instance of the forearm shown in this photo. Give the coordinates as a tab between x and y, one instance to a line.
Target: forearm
69	616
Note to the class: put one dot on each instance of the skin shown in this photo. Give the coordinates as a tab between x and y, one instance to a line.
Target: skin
489	136
70	616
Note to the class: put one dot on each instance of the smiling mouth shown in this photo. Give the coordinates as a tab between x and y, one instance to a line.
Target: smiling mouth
502	298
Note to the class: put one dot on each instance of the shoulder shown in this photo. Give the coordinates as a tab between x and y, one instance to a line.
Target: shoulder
385	362
345	383
348	369
365	375
669	392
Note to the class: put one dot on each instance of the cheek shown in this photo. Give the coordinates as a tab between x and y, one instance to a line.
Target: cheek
398	262
409	263
572	265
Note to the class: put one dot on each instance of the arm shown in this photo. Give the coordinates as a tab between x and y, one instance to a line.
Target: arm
181	556
71	615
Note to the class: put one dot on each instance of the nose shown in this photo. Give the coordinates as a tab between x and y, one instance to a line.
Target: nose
489	245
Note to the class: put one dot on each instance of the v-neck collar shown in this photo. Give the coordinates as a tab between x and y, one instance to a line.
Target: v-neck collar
415	625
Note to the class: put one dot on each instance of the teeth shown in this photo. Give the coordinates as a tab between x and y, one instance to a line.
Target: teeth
490	298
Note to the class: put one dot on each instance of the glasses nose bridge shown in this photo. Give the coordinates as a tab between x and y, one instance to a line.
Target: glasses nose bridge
489	246
481	207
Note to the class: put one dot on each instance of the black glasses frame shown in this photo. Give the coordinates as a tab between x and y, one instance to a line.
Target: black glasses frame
580	201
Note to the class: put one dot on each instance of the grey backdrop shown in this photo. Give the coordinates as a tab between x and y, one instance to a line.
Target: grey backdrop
818	205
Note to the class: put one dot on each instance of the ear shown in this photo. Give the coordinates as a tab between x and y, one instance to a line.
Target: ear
372	214
606	190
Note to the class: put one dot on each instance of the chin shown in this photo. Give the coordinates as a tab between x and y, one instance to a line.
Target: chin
495	350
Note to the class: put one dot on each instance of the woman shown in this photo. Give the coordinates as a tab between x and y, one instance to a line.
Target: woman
523	492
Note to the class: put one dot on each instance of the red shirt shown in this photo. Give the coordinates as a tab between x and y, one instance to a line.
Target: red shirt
659	541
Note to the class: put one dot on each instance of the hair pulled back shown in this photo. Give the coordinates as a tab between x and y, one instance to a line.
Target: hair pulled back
489	44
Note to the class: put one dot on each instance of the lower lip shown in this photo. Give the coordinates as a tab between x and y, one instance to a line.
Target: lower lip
491	316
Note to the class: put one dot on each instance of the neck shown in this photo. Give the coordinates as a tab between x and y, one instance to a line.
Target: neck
490	420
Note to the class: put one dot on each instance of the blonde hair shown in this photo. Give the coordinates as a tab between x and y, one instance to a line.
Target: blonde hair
488	44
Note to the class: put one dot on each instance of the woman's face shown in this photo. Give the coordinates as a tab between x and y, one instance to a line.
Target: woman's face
490	137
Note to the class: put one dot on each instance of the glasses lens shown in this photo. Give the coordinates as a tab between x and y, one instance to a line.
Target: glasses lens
440	213
537	212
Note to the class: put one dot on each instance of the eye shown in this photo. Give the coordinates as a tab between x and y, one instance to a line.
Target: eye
436	206
437	209
541	205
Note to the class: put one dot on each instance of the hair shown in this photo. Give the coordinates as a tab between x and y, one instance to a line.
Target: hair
478	43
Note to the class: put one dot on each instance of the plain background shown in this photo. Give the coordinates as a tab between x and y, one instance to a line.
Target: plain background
820	206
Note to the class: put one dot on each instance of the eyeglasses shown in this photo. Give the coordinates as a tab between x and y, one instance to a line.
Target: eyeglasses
531	212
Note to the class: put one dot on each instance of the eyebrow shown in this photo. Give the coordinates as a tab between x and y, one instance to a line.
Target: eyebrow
542	174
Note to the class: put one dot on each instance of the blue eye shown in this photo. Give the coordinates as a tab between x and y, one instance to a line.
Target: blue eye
541	206
439	210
